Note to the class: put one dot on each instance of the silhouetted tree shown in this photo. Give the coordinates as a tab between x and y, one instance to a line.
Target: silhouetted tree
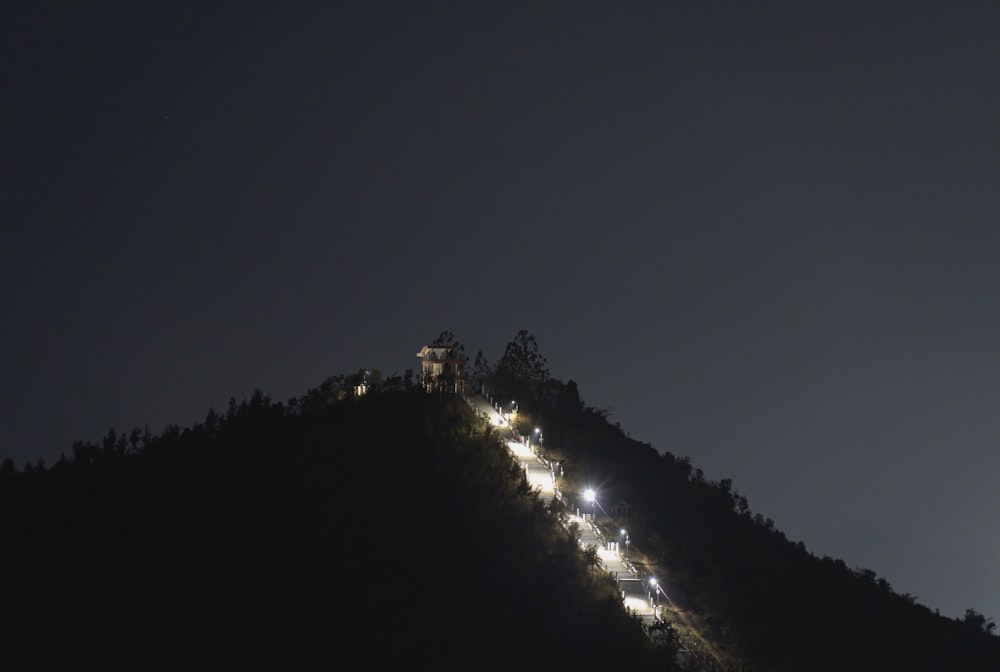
446	339
568	402
521	371
110	444
480	372
138	438
85	452
979	622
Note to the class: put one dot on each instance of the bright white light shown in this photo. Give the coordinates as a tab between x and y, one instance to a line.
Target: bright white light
589	495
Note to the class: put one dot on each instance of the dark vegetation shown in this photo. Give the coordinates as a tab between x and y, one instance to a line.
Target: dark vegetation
331	532
769	604
392	528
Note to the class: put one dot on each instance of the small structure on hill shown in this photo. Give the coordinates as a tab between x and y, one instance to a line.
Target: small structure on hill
443	368
621	510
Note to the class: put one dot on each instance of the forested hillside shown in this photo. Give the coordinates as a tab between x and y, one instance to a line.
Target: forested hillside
370	523
330	532
767	603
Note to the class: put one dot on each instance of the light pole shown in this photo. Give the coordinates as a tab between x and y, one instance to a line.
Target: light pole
625	537
591	497
655	599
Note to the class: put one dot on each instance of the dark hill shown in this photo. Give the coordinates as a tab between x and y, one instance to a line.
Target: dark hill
394	529
765	603
349	533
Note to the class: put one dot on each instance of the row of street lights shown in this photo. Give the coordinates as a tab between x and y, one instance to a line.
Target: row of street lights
590	495
655	590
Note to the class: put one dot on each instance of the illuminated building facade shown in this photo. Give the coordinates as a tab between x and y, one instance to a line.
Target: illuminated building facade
442	369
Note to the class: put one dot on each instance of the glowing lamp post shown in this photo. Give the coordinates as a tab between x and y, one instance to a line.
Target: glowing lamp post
591	497
655	598
626	539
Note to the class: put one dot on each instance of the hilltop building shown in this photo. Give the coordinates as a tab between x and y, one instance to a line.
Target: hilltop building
443	368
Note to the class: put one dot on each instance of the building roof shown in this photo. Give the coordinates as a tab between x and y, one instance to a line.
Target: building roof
436	349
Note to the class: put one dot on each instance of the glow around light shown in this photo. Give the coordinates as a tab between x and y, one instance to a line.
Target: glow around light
589	494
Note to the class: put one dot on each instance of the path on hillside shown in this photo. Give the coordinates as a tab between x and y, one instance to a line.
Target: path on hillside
632	581
541	476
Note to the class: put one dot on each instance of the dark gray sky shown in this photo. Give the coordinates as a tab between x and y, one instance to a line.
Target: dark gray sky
763	235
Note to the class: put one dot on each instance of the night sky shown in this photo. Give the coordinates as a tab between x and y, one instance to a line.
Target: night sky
762	235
